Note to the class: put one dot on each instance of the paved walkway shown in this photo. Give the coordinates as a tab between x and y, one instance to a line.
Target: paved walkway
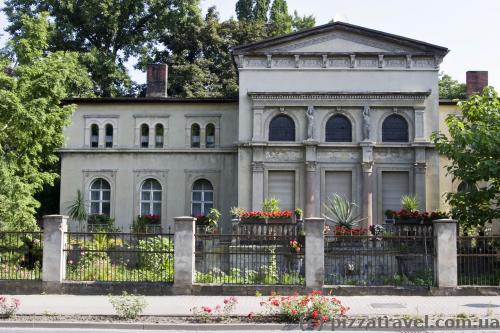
181	305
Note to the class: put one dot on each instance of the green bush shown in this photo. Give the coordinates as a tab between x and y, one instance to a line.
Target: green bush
128	306
156	255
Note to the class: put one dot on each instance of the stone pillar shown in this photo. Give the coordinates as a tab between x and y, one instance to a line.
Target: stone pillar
311	186
419	124
445	257
367	183
420	175
257	185
184	243
257	124
54	259
315	252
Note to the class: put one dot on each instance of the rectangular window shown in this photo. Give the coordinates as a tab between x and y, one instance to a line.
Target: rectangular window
281	185
339	182
395	184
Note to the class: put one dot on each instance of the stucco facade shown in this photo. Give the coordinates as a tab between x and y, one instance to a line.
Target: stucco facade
309	77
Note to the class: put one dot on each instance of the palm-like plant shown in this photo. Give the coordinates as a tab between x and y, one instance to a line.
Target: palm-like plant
77	209
409	202
340	211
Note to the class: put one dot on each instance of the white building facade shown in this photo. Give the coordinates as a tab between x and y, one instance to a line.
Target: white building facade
334	109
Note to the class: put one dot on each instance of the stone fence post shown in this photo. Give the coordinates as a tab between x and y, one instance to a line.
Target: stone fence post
315	252
445	255
54	259
184	247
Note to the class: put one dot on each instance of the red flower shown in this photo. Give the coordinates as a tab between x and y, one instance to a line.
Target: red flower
294	312
251	315
314	314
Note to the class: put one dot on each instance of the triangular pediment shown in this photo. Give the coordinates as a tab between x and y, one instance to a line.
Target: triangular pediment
340	37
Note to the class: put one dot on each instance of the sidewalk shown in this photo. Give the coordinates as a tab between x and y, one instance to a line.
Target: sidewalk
180	305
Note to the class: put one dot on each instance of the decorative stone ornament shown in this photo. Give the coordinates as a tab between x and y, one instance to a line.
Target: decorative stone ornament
366	123
310	122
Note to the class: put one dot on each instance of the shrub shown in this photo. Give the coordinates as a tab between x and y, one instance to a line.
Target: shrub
217	312
128	306
341	212
409	202
156	255
271	205
213	218
8	306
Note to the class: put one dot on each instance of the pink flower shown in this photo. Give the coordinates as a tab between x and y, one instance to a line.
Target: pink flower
251	315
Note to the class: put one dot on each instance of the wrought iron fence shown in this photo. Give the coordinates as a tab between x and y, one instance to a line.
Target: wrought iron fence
249	259
112	256
478	260
20	255
379	260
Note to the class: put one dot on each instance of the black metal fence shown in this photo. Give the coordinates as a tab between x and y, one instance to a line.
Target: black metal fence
249	259
478	260
111	256
20	255
379	260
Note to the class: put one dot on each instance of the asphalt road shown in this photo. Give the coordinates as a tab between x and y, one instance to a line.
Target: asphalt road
77	330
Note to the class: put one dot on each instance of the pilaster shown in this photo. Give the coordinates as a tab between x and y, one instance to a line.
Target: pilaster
419	124
367	182
420	168
257	124
311	186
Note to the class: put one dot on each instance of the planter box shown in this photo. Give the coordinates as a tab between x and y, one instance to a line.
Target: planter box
410	221
253	220
282	220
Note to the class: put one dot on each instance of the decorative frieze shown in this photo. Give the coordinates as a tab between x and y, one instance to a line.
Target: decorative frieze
285	155
343	155
382	155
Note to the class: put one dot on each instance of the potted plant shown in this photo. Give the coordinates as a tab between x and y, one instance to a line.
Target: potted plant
236	212
340	212
389	216
298	214
213	218
408	214
253	217
296	262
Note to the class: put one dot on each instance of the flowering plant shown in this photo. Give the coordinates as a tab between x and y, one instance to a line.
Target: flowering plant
9	306
150	218
295	246
377	229
271	215
218	312
201	219
405	214
343	231
313	306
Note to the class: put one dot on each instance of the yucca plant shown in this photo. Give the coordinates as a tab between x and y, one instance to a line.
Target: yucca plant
77	209
340	211
409	202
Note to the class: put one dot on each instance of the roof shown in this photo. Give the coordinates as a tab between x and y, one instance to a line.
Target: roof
341	26
151	100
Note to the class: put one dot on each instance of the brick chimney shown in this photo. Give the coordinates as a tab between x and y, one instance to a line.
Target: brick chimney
156	80
476	81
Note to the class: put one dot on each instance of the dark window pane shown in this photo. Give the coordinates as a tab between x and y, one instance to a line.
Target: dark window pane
105	208
94	208
338	129
196	210
395	129
282	128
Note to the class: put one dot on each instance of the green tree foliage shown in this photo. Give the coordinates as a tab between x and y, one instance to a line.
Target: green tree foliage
302	22
281	21
105	33
261	10
450	88
473	149
33	83
244	9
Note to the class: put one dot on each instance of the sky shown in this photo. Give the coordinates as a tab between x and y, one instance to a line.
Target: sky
470	29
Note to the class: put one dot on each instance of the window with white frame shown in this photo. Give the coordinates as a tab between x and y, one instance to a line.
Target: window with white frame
150	198
202	197
94	136
109	136
210	136
100	197
159	133
144	136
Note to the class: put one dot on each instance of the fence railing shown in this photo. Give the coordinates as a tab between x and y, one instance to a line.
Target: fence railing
248	259
379	260
20	255
478	260
107	256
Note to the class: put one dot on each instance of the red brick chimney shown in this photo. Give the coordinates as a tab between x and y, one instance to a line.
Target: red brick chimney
476	81
156	80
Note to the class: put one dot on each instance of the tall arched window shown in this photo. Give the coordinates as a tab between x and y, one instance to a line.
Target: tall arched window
94	136
395	129
210	136
159	133
338	129
282	128
202	197
144	136
195	136
100	197
150	197
109	136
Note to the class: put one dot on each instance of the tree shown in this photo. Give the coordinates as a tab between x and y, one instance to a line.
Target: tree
450	88
244	9
473	149
33	84
261	10
302	22
105	33
281	21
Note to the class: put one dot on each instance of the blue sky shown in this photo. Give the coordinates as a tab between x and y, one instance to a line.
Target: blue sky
470	29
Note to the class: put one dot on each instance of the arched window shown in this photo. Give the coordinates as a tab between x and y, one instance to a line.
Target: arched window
466	187
159	136
195	136
144	136
94	136
109	136
282	128
395	129
100	197
210	136
202	197
150	198
338	129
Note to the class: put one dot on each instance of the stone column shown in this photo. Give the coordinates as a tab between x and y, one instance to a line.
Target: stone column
367	182
257	185
420	167
311	186
257	124
315	252
445	257
184	243
54	258
419	124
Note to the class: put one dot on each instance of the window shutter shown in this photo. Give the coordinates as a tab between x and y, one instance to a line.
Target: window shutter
282	186
395	184
339	182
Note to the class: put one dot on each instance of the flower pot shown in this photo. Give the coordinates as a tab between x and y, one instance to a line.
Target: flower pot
253	220
279	220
